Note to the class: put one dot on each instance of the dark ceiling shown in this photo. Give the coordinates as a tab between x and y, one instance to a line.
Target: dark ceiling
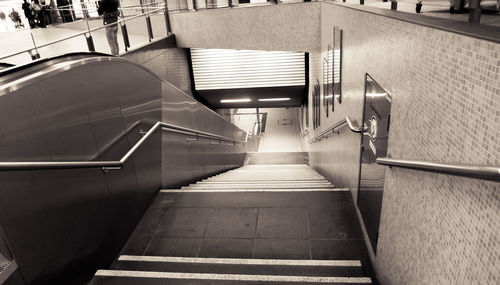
213	97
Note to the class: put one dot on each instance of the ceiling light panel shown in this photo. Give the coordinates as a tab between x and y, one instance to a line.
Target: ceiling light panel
231	69
275	99
235	100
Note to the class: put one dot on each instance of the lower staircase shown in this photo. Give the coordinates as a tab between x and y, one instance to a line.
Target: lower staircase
258	224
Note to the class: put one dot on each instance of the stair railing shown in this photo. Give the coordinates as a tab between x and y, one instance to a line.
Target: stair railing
464	170
114	164
491	173
335	129
87	33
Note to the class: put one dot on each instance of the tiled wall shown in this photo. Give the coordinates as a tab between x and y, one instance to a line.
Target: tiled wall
170	64
435	229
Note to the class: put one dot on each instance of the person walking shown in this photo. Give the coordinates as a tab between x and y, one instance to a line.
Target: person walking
36	8
109	11
16	18
64	11
28	13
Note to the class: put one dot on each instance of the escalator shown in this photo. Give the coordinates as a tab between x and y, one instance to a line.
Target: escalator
63	214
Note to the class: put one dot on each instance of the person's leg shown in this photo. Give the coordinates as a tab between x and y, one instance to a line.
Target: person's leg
112	36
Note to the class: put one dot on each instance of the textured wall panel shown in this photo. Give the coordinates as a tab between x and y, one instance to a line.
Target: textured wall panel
170	64
435	229
291	27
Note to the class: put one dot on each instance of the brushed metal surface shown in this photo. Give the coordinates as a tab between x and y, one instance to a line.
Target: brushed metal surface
67	223
205	158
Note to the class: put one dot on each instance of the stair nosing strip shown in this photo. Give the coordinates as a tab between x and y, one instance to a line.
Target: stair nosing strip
241	261
233	277
187	190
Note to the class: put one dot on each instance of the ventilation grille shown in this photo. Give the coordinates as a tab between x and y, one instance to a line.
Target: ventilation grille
231	69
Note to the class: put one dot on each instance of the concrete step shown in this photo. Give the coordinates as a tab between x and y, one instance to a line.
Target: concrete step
260	185
253	190
126	277
263	158
343	268
263	181
226	215
246	199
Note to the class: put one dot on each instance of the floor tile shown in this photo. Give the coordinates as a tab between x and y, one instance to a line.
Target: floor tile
282	223
230	248
232	223
186	247
333	223
150	221
136	245
338	249
281	249
184	222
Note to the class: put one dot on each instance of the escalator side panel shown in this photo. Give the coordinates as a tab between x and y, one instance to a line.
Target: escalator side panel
63	224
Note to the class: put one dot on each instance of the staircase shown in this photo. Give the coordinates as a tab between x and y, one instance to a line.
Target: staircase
258	224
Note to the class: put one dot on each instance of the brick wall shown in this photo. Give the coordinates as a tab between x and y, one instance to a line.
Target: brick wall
435	229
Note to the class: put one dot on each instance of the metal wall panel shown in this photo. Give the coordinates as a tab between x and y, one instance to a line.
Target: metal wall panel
185	162
67	223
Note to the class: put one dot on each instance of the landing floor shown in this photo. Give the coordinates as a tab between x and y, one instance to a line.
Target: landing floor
292	225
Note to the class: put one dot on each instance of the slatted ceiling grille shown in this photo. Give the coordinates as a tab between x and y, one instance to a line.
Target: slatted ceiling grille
231	69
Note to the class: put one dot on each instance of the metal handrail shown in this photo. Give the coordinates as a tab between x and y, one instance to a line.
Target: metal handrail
112	164
329	130
145	14
354	128
304	133
334	127
474	171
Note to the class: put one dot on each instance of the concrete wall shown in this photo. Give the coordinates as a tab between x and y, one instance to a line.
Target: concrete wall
291	27
435	229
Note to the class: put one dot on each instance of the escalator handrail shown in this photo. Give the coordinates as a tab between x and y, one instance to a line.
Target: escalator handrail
114	164
15	68
464	170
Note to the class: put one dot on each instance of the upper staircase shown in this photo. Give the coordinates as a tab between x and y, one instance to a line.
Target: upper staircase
258	224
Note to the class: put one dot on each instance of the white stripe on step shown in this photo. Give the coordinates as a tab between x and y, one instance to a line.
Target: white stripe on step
187	190
232	277
241	261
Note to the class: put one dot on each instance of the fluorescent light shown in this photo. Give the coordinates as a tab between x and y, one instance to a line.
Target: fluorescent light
235	100
274	99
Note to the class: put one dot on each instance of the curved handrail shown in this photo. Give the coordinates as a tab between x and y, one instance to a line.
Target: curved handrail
112	164
354	128
328	131
474	171
332	129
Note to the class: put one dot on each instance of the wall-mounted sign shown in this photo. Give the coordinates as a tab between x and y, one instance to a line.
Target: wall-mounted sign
316	104
285	122
325	86
337	64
